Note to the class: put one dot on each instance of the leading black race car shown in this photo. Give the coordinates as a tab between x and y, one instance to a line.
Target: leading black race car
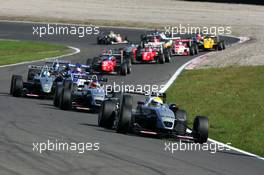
151	117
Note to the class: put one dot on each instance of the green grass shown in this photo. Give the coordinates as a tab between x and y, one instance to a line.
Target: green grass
232	98
12	51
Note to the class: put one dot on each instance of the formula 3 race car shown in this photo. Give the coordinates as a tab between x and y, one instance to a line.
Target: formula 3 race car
212	42
111	38
152	117
184	47
149	53
82	92
41	80
111	61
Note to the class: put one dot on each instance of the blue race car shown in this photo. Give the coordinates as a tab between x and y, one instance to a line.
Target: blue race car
80	91
41	80
152	117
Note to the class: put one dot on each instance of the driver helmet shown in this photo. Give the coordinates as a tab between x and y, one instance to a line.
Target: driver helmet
67	67
112	34
155	39
78	68
56	66
94	84
157	101
46	73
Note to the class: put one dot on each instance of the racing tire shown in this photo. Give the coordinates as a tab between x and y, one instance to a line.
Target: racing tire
224	45
57	94
108	41
66	100
167	55
196	49
125	115
129	67
123	69
192	51
220	46
161	58
31	74
106	115
89	61
17	86
180	123
200	129
67	84
99	41
132	57
12	82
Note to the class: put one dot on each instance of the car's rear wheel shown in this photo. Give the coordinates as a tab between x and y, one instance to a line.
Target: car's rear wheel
224	45
17	86
89	61
98	40
31	74
200	129
125	114
57	94
66	100
161	58
191	50
196	49
123	69
12	83
129	67
67	84
167	55
220	46
106	115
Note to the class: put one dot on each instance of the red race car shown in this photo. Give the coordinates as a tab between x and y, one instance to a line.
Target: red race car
110	62
149	53
184	47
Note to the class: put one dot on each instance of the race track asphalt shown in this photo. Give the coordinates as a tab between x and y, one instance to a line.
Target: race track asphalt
24	121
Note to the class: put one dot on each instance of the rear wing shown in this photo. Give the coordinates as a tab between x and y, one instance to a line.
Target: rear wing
114	52
154	45
147	93
53	61
82	66
164	37
57	63
49	63
36	67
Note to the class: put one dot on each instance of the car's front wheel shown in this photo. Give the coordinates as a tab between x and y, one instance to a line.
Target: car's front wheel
200	129
106	115
125	115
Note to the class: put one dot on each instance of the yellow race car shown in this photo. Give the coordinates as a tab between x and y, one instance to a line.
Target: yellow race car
211	42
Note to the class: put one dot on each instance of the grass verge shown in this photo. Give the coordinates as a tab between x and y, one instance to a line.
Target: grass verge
13	51
232	98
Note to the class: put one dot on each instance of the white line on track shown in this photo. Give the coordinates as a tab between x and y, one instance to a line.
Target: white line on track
76	50
194	62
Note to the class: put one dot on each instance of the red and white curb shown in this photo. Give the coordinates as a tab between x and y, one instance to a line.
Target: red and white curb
191	65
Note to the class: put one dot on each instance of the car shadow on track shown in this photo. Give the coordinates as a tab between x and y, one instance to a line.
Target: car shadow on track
4	94
89	124
51	106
